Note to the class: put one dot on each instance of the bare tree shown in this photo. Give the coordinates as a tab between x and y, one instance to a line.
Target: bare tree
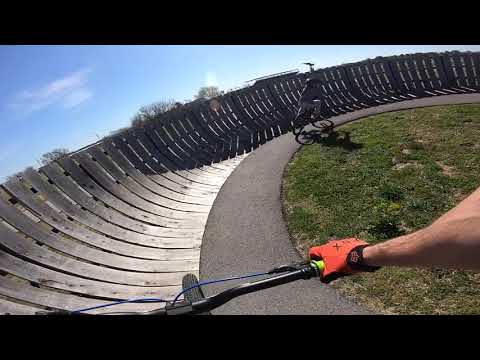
157	108
54	155
208	92
152	111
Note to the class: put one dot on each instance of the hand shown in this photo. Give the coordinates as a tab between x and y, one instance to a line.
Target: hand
341	258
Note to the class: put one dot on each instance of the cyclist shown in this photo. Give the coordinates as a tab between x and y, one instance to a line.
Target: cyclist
452	241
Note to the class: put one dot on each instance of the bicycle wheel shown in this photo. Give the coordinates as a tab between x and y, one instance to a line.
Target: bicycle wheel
324	124
305	138
194	294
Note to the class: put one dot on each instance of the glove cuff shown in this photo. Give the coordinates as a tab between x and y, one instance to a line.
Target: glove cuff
356	262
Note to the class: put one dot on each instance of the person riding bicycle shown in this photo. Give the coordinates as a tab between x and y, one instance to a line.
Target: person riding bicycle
452	241
309	98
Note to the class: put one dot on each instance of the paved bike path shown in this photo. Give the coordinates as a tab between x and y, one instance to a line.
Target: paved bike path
246	232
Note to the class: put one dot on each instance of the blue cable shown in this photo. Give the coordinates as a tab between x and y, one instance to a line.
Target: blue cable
142	300
148	300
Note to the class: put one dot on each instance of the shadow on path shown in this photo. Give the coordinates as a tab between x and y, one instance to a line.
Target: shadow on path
331	139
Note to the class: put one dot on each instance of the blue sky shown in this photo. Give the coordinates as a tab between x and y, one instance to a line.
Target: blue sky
68	96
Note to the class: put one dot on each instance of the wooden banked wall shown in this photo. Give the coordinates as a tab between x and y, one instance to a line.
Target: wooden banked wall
124	218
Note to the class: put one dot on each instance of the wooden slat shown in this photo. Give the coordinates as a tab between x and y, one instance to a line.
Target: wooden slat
239	130
339	89
337	102
134	187
91	233
435	83
476	68
250	104
217	143
204	141
108	197
190	147
254	123
267	112
159	145
425	76
57	300
469	68
358	92
58	280
10	307
77	249
451	78
162	186
158	172
173	144
276	108
349	87
193	142
41	255
167	158
68	185
205	114
243	117
374	73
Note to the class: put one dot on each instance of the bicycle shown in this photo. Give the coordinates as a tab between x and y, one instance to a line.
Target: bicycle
195	302
315	136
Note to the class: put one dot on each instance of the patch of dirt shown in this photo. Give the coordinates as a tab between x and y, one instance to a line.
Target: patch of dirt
301	248
459	195
446	170
424	136
308	204
405	228
401	166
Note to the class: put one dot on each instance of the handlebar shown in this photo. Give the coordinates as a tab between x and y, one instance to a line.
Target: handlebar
287	274
290	273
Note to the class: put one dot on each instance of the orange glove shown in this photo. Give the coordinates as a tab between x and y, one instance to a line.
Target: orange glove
341	258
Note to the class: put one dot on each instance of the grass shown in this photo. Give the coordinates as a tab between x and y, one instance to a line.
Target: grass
408	168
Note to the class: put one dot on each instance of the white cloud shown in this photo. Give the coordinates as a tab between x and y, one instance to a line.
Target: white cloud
211	79
69	91
77	97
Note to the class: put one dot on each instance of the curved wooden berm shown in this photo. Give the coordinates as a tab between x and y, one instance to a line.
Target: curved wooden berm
124	218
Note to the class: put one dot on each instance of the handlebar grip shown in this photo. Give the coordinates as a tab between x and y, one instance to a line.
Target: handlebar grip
320	265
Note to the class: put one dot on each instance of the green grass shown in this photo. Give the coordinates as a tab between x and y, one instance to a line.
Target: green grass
409	168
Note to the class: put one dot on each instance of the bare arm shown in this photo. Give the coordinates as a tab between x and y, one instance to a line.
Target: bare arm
453	241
